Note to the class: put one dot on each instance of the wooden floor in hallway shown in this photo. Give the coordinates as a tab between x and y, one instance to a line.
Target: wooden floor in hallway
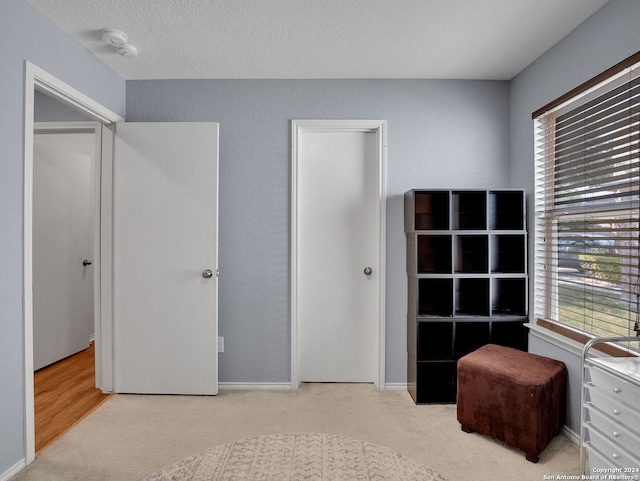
64	394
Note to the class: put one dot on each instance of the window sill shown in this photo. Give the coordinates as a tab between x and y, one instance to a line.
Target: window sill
573	341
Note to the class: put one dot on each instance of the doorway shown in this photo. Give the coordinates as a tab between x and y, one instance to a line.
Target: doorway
66	159
338	254
37	79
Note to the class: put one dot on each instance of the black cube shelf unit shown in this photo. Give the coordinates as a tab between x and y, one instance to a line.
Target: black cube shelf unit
467	276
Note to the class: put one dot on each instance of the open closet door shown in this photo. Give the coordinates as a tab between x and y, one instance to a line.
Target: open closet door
165	223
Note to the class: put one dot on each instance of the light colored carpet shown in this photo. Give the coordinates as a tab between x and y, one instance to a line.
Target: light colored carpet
131	436
297	456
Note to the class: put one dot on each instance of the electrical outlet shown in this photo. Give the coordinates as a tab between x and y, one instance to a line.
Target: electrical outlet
221	344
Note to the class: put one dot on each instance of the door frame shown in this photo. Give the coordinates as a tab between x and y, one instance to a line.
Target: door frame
378	127
36	78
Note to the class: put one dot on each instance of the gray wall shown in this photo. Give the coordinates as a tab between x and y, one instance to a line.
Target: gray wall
607	37
47	109
441	134
26	34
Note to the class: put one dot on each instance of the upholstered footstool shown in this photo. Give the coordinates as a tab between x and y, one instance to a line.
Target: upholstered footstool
513	396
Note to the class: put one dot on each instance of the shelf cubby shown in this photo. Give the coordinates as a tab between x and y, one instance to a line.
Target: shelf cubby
431	210
508	253
435	297
469	210
471	254
435	373
435	341
509	296
472	297
434	254
511	334
506	210
470	335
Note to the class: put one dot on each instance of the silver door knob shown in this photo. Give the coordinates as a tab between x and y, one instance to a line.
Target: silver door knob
368	271
86	263
207	273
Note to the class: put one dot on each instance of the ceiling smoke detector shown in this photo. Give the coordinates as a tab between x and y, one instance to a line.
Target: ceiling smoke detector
114	37
128	51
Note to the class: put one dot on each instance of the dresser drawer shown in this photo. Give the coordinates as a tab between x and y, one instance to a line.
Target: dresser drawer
598	460
615	432
610	452
622	413
619	389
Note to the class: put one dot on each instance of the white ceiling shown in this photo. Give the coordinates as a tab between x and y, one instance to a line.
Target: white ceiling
461	39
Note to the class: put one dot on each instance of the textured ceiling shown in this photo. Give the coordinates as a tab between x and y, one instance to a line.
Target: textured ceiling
462	39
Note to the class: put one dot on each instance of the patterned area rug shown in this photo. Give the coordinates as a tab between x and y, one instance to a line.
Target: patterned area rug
300	456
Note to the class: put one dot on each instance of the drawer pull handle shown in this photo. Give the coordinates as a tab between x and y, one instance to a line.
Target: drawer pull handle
615	455
617	390
616	434
616	412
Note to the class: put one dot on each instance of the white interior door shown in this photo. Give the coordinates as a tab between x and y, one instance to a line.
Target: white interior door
63	232
165	238
337	239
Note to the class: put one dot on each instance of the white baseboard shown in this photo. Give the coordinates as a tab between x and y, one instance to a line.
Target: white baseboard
285	386
13	470
395	386
570	434
255	386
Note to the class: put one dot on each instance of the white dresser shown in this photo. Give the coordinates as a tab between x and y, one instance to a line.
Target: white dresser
610	432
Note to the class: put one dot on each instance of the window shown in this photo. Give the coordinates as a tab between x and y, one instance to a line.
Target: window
587	205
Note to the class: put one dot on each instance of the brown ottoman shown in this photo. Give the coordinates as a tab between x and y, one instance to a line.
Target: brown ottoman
512	396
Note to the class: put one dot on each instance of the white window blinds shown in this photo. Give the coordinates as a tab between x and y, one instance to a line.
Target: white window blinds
587	208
